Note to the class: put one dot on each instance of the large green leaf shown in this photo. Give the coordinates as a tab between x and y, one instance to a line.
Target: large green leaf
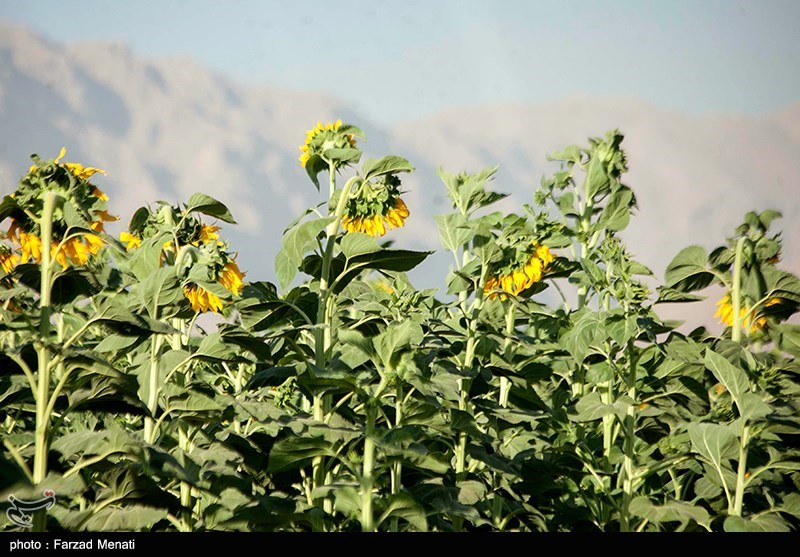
687	271
125	519
296	243
454	230
732	377
202	203
761	523
405	507
714	442
586	331
671	511
392	164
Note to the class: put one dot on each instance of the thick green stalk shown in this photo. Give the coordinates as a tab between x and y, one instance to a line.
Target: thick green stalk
325	310
186	488
738	498
152	397
505	384
629	446
736	294
735	509
397	468
43	376
367	480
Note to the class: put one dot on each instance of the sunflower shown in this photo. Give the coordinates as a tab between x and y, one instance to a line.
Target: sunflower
8	259
77	250
131	241
746	313
376	208
102	218
31	246
207	233
231	278
520	277
323	137
201	299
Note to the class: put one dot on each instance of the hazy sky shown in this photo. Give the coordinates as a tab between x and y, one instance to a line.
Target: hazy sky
395	61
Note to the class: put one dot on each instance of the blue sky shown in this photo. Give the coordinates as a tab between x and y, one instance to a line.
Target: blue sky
398	61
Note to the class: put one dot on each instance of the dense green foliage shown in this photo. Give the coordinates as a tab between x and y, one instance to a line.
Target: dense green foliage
350	400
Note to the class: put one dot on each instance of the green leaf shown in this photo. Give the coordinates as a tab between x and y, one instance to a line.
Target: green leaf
202	203
591	407
617	213
733	378
753	408
357	243
392	164
454	230
314	165
671	511
396	337
672	296
687	271
342	156
714	442
126	519
572	153
296	243
586	331
404	506
760	523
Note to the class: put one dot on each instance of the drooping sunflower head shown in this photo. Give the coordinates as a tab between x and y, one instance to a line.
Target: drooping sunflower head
523	264
80	205
169	223
322	138
751	317
8	259
376	207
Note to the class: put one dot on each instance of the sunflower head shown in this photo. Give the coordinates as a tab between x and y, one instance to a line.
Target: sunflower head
750	318
523	264
327	144
84	202
376	207
8	259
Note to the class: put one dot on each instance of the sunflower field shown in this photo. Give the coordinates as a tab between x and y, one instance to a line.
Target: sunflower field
344	399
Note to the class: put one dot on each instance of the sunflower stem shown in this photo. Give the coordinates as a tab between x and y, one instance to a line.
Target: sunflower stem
42	431
505	384
367	480
736	294
326	308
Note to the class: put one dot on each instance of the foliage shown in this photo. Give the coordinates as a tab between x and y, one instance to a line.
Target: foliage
349	400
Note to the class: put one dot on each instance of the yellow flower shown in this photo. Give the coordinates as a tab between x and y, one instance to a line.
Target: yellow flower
31	247
384	286
522	278
231	278
98	193
208	233
84	173
377	225
99	225
330	130
75	251
94	243
746	314
131	241
8	259
201	299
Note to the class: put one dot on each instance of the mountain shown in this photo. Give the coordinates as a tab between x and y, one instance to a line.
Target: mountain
166	128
